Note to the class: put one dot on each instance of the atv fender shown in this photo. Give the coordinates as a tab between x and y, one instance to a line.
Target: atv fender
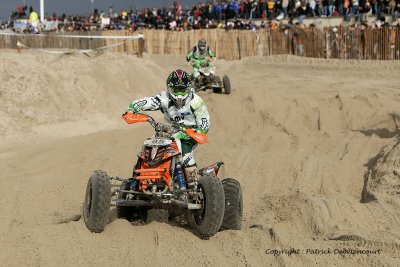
213	168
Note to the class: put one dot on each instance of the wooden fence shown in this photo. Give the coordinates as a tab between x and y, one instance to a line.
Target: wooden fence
340	43
62	41
52	41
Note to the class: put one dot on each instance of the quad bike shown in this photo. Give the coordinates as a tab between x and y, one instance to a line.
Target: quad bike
204	78
158	181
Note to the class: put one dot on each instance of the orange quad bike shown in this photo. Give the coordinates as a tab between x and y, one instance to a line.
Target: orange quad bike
159	182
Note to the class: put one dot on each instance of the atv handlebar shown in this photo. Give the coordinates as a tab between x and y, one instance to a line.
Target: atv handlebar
199	62
131	118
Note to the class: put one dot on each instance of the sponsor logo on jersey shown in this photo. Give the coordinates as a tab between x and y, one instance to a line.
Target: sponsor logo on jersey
177	118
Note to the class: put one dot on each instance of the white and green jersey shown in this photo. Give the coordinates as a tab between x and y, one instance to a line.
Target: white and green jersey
193	114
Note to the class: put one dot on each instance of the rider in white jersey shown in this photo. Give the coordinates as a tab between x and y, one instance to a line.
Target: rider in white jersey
182	105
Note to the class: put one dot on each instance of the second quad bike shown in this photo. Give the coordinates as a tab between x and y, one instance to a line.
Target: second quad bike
204	78
159	182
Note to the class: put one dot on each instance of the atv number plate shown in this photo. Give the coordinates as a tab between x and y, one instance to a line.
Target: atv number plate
158	142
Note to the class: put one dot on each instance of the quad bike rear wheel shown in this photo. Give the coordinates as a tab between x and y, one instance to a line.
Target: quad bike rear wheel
233	205
207	220
96	208
137	214
227	84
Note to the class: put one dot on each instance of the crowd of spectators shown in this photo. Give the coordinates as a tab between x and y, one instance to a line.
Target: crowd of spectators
218	14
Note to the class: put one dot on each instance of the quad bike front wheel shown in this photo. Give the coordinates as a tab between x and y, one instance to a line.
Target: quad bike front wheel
227	84
207	220
96	208
233	205
196	84
217	80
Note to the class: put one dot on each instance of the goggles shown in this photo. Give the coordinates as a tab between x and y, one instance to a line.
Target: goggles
179	90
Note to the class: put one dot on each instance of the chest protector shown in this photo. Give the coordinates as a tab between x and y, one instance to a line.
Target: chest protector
182	115
197	54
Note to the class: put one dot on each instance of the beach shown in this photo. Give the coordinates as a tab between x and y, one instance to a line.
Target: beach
313	142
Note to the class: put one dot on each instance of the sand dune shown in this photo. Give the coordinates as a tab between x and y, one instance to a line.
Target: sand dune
313	143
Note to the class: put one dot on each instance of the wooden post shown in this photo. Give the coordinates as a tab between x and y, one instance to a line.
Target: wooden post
327	42
239	48
140	47
19	47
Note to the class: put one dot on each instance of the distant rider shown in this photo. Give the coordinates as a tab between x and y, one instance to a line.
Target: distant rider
182	105
199	54
200	51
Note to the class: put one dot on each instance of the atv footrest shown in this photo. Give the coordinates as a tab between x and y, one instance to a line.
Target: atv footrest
130	203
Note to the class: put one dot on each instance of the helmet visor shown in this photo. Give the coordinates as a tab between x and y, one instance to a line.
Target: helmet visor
179	90
202	47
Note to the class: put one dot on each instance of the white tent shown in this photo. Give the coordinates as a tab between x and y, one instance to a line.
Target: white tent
41	10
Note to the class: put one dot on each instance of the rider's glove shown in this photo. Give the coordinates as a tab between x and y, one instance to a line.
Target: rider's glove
133	109
183	136
199	130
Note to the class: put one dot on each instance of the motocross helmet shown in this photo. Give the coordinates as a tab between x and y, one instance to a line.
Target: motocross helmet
179	86
202	45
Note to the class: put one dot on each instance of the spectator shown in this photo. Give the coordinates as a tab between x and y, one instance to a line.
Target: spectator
235	7
366	11
354	7
391	6
313	6
396	14
325	4
331	7
240	14
285	4
346	8
254	7
20	13
271	9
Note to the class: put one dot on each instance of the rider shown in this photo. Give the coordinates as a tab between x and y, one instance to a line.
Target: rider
182	105
199	53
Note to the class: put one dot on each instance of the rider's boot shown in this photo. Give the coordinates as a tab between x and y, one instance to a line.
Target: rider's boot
192	176
133	184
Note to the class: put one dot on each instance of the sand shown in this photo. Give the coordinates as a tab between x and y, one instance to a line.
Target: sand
314	144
